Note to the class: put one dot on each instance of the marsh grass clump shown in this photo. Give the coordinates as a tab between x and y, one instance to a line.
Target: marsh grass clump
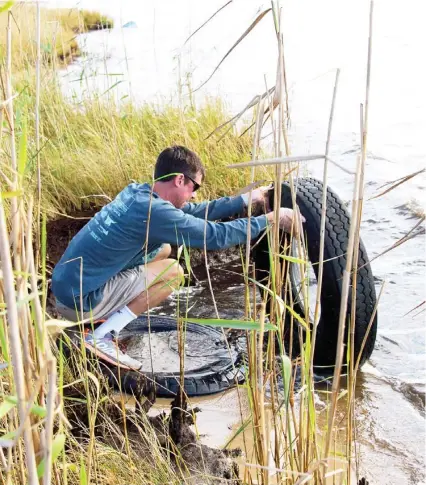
97	148
95	21
59	29
109	427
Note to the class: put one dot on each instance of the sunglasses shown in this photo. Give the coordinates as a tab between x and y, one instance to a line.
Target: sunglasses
196	185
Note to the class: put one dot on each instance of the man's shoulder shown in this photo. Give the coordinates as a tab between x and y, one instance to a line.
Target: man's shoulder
135	193
135	189
139	199
139	192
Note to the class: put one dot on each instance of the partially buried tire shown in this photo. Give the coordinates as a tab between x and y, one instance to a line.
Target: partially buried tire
309	200
211	365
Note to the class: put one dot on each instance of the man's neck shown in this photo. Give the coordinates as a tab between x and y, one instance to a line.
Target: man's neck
162	189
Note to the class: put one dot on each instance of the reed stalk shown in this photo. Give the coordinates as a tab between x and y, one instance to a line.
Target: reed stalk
364	133
15	347
256	140
343	312
322	224
278	161
29	356
265	438
13	314
351	251
37	126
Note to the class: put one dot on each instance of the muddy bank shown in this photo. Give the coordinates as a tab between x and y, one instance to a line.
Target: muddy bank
167	436
60	232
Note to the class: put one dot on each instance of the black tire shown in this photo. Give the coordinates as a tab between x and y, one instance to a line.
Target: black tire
221	374
210	379
309	200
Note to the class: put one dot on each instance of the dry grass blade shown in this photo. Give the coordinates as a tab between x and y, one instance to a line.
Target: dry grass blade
341	167
353	242
256	138
235	118
250	187
278	161
250	127
415	308
7	101
207	21
396	183
252	26
419	313
37	128
267	117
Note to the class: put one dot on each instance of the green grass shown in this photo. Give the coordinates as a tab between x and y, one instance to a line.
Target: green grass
96	149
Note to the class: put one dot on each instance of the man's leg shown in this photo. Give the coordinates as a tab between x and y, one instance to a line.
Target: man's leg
164	253
161	278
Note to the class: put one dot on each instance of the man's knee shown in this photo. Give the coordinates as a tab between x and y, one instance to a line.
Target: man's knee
169	271
176	273
164	252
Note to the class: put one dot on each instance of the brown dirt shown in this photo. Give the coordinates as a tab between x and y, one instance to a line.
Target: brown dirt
59	234
61	231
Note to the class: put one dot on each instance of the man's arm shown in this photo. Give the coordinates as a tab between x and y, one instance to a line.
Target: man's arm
217	209
173	226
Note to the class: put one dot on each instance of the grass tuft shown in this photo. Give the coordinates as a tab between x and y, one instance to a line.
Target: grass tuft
94	148
59	29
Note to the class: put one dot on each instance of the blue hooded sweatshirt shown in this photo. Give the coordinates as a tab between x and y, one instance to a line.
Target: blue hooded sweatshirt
115	238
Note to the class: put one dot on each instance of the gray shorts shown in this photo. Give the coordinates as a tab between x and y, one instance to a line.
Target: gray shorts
117	292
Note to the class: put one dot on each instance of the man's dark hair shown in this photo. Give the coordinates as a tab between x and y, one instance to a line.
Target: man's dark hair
177	159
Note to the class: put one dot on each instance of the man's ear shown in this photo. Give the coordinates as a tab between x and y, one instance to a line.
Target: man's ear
178	180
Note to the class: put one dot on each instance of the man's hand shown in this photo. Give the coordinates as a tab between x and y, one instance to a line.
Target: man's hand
288	220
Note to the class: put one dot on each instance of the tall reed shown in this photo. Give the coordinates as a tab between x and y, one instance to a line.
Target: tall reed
29	378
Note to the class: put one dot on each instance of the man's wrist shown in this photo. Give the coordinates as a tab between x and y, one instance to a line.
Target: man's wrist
270	218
